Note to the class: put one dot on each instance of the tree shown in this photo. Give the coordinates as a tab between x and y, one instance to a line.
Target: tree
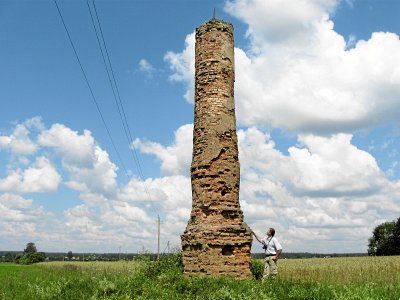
30	256
8	257
17	258
396	238
69	255
30	248
385	239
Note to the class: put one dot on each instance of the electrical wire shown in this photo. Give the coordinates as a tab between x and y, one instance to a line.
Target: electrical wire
90	88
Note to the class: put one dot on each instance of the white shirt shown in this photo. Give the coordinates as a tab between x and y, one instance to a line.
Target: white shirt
272	245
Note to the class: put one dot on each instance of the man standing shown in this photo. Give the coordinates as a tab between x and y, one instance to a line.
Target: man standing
273	250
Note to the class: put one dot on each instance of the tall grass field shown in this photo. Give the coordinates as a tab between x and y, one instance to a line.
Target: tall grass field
320	278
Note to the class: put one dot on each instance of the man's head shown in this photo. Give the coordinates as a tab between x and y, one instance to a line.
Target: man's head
271	231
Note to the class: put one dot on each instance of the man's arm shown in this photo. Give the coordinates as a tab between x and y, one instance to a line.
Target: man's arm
256	236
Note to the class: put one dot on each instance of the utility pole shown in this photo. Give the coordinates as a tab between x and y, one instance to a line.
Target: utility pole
158	237
119	253
85	236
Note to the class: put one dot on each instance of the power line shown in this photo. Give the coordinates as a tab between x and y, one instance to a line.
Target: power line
124	118
166	249
106	67
89	86
98	107
121	108
108	74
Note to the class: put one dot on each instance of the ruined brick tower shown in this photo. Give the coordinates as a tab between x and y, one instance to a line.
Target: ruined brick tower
216	240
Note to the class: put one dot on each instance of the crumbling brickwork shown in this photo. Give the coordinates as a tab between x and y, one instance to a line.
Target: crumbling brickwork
216	240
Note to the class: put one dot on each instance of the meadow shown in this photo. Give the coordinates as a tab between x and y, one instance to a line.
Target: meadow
322	278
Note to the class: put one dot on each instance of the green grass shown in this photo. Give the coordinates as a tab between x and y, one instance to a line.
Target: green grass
333	278
376	269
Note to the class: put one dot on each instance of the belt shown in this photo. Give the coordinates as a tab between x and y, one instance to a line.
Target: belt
269	254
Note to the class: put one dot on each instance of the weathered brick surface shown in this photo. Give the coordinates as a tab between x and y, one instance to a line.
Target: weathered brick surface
216	240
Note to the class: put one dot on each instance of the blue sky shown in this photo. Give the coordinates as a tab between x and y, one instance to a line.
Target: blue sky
146	40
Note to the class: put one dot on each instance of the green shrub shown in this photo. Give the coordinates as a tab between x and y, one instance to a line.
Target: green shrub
171	263
257	268
30	258
106	287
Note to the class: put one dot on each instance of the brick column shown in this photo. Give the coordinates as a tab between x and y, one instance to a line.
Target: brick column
216	240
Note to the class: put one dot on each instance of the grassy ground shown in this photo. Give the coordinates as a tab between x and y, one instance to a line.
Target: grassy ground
331	278
378	269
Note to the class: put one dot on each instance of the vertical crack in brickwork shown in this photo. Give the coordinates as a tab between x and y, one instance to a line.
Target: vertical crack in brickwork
216	240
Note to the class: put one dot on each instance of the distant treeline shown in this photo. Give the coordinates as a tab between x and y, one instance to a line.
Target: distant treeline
310	255
9	256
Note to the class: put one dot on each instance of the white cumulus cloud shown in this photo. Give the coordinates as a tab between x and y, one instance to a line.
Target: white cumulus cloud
182	66
299	74
176	158
39	178
19	141
89	167
146	67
